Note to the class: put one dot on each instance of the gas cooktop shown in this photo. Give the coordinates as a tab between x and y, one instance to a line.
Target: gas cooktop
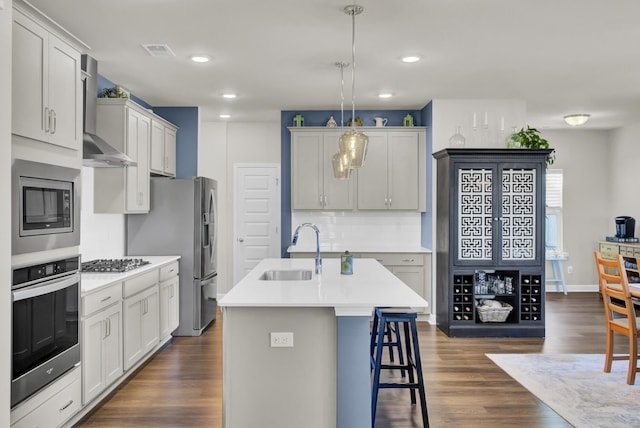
112	265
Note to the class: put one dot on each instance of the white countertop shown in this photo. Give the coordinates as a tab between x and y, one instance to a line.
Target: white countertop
357	248
370	285
90	282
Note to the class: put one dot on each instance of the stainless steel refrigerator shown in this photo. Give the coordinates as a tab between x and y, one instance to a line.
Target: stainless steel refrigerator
182	221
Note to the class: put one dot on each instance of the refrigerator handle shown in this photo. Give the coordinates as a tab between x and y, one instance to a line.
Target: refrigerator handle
205	236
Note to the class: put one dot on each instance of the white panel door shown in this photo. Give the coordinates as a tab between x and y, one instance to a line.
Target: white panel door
257	216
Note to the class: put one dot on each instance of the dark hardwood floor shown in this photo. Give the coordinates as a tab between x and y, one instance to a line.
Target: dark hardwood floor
182	385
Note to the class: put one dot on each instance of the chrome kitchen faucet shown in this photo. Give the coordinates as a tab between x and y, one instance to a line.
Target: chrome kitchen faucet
294	241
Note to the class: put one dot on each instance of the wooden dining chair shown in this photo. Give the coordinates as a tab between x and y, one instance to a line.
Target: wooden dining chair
619	312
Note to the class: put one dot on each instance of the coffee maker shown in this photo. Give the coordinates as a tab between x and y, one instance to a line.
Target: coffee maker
625	227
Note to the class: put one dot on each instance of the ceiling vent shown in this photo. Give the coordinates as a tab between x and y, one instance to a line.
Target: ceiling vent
158	50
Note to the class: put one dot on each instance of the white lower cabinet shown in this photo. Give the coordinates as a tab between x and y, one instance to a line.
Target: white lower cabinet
102	351
101	340
51	407
169	300
141	334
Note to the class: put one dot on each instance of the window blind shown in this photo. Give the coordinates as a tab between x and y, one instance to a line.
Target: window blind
554	188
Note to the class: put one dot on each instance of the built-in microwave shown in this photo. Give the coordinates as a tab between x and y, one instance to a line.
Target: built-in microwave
45	207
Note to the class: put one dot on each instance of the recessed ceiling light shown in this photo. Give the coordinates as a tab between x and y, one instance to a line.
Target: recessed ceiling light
200	58
229	96
411	59
385	95
224	116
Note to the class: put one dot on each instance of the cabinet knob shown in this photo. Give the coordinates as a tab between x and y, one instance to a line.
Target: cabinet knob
241	240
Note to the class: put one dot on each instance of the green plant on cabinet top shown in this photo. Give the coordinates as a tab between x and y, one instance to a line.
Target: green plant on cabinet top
530	139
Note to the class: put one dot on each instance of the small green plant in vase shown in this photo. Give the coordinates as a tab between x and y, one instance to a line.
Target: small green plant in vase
530	139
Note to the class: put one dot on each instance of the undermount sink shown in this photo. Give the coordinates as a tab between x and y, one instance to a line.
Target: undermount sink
286	275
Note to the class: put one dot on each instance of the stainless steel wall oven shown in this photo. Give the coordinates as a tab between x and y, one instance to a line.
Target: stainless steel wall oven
46	208
45	327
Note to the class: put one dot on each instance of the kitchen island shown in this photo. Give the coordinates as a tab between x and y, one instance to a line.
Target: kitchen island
323	379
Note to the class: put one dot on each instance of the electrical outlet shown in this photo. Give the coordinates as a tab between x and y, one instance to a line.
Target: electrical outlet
282	340
569	270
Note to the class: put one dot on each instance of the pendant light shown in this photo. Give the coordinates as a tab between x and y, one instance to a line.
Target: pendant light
353	142
341	161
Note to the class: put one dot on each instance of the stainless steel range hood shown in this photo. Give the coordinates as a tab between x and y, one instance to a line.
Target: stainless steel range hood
96	152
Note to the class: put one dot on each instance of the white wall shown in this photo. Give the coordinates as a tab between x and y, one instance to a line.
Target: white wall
585	159
624	152
5	214
101	235
502	115
220	146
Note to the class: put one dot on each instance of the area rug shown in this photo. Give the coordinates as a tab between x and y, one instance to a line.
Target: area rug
576	388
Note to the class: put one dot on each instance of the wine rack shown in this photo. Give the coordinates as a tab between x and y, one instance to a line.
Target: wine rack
462	307
531	294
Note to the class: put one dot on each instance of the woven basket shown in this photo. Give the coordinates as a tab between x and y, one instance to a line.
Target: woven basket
494	314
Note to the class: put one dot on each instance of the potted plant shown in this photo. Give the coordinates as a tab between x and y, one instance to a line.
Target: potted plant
530	139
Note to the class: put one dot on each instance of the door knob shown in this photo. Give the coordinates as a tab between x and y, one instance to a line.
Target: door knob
240	239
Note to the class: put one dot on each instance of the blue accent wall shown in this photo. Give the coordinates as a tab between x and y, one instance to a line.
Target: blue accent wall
426	218
186	119
320	118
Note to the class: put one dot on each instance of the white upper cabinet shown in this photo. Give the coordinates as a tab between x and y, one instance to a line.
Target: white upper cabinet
127	127
163	148
394	174
313	185
47	85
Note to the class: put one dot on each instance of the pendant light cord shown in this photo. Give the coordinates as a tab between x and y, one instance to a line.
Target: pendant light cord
353	68
342	66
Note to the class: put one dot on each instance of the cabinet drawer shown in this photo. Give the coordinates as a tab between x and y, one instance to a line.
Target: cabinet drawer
58	408
626	251
636	252
101	299
135	285
609	251
397	259
168	271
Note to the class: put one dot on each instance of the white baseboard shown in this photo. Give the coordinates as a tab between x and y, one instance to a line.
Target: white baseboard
573	288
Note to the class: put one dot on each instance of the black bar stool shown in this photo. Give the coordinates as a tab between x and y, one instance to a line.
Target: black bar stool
392	335
407	318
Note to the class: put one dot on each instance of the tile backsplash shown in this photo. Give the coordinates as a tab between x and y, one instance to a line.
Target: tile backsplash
361	228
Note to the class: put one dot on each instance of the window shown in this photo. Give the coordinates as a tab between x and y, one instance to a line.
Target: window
553	214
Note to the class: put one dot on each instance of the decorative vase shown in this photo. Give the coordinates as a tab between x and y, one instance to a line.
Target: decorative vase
331	123
513	141
457	140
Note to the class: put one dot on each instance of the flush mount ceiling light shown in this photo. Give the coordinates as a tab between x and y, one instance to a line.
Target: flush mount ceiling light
224	116
200	59
229	96
410	59
353	142
385	95
577	119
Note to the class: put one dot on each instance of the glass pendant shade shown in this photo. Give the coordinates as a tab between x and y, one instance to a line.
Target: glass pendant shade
341	166
354	143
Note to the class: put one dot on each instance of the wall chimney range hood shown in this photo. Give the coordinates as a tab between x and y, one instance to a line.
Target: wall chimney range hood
96	152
